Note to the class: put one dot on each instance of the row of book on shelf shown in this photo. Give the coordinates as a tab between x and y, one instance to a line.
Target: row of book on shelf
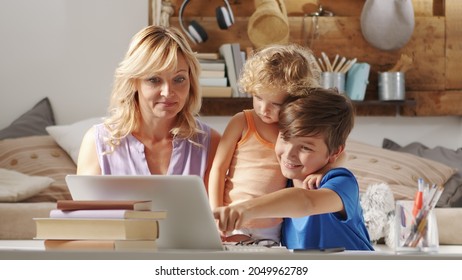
127	225
220	71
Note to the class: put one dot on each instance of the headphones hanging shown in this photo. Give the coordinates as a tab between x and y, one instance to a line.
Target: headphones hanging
195	32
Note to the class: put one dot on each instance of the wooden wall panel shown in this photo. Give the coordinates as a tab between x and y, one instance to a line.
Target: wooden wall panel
435	81
339	8
245	8
342	35
435	103
206	8
454	44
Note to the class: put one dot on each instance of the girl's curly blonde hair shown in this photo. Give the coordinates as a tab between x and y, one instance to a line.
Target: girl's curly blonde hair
281	67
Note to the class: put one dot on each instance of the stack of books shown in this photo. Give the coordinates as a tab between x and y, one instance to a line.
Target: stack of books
213	78
126	225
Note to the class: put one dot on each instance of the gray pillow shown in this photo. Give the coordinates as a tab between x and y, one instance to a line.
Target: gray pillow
452	194
32	122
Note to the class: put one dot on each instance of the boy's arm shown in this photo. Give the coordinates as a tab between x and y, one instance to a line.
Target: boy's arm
223	157
289	202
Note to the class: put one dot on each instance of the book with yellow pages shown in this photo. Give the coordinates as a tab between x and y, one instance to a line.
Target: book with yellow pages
217	92
215	65
108	214
105	229
212	74
213	82
104	204
207	55
101	245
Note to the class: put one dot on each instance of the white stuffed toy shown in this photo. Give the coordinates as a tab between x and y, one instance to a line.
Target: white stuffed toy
378	209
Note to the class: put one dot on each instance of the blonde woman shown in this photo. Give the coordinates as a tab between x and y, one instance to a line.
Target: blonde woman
151	127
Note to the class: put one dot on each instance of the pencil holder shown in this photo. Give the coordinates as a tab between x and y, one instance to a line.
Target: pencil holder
333	80
415	233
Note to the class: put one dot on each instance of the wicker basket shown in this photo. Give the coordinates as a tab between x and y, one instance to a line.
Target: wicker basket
269	23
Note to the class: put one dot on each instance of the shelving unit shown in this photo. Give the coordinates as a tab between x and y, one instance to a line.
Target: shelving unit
433	85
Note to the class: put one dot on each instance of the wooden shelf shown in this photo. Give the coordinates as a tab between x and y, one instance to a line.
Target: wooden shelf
417	103
224	106
434	103
231	106
382	108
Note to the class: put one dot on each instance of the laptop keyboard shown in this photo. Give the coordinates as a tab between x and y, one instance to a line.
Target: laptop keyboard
232	247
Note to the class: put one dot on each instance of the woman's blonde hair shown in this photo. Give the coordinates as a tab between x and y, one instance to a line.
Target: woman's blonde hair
152	50
281	67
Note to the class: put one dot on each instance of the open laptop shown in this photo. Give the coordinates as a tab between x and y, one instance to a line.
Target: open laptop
189	223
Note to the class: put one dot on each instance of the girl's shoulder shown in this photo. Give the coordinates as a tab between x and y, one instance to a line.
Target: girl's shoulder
242	115
238	120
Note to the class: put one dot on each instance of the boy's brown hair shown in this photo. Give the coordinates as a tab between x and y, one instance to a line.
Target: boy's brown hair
317	111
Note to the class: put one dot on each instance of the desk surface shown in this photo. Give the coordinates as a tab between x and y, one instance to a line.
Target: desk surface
34	249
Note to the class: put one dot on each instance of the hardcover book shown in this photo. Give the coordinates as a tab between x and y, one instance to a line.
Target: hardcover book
218	65
212	74
105	229
102	245
217	92
226	52
108	214
238	62
213	82
209	55
104	204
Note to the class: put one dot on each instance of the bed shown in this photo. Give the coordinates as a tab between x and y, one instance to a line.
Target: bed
36	155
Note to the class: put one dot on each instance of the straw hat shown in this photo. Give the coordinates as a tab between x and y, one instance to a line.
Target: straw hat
269	23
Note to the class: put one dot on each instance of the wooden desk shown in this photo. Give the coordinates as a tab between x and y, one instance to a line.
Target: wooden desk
34	250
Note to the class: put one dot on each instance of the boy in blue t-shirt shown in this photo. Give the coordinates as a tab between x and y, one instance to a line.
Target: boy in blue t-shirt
312	133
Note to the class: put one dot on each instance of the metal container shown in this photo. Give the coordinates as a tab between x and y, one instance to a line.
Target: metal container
333	80
392	86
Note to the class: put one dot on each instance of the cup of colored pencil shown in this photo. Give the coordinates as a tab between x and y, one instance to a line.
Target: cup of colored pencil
333	73
416	226
338	65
